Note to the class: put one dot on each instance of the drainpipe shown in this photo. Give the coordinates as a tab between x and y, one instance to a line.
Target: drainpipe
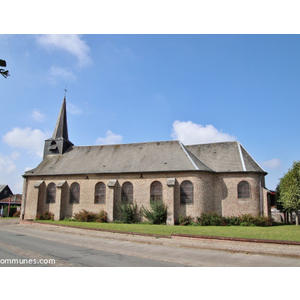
24	196
260	197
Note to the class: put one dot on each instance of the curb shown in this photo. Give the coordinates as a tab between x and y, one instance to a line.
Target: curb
237	239
189	236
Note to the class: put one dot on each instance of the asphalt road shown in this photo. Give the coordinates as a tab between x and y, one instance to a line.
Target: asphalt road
23	249
38	247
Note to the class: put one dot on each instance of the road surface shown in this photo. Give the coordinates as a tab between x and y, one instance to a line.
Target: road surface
37	246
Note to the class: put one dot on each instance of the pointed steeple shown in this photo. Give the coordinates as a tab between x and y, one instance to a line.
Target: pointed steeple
59	143
61	128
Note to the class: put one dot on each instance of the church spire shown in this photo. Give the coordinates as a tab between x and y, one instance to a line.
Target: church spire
59	143
61	128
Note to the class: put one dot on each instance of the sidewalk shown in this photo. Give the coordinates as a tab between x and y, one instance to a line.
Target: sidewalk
232	245
9	221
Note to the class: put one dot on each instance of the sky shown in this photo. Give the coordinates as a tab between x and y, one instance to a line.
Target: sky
130	88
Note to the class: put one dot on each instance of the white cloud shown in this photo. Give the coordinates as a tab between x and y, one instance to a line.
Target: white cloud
273	163
37	116
110	138
61	73
73	109
29	139
7	162
192	133
71	43
9	173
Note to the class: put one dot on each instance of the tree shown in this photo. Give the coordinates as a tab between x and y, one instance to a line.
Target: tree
3	72
289	190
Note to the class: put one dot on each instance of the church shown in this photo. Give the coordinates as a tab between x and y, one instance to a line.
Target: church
189	179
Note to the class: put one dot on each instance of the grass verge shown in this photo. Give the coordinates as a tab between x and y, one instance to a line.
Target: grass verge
279	232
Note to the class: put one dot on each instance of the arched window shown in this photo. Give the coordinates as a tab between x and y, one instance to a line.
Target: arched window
127	192
156	191
186	192
51	193
74	193
100	192
243	189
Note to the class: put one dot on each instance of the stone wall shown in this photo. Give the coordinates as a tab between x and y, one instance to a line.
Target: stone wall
212	192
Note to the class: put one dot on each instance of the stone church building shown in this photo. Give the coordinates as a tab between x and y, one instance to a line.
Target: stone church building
189	179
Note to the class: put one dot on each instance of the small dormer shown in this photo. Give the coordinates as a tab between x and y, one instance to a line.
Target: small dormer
59	143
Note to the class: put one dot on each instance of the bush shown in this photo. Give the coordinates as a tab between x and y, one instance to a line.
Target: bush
102	217
88	216
185	220
247	220
157	214
232	221
214	219
128	212
264	221
47	215
85	216
211	219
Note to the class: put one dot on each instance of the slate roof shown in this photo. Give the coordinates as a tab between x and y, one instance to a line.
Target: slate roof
125	158
166	156
2	187
61	127
226	157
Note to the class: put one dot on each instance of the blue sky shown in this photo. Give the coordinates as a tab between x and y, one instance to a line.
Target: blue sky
138	88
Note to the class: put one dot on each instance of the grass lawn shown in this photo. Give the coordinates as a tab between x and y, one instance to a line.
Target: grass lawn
278	232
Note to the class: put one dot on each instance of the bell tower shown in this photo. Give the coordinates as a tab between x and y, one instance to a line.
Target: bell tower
59	143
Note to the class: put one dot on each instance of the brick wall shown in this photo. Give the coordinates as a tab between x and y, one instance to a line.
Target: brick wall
212	192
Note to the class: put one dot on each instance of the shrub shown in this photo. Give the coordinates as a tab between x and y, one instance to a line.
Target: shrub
157	214
85	216
47	215
214	219
264	221
185	220
128	212
211	219
88	216
247	220
102	217
232	221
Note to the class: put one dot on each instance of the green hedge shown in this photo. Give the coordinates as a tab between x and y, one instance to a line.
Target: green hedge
214	219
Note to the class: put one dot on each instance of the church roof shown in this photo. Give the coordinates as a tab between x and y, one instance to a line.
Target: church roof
166	156
226	157
125	158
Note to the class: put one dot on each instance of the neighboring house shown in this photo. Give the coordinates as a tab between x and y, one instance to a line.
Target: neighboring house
14	200
5	191
216	177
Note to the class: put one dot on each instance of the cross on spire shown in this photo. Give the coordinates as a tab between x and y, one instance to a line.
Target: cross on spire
65	89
